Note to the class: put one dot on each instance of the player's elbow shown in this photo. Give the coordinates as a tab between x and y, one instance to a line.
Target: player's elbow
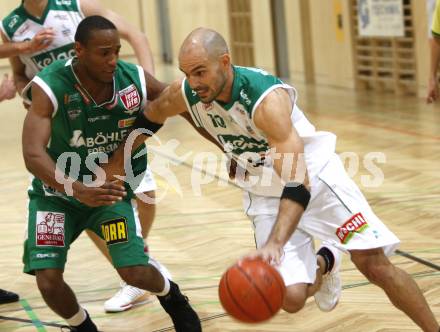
31	157
28	161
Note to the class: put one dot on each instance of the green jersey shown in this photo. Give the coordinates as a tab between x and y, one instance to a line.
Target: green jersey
232	125
61	15
83	131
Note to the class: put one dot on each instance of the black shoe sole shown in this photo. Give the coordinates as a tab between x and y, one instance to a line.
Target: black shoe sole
9	300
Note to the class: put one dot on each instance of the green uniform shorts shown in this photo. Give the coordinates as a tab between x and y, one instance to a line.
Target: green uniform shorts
54	223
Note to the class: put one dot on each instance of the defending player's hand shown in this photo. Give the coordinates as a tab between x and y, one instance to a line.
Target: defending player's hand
41	40
270	253
107	194
7	88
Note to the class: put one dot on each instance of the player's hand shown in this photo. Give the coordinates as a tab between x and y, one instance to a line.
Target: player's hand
7	88
41	40
432	91
107	194
270	253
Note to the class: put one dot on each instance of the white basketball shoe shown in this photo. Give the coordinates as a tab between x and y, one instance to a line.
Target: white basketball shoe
327	297
129	296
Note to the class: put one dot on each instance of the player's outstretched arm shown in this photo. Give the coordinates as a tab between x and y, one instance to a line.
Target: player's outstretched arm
40	41
35	138
138	40
433	90
168	104
11	49
7	88
154	86
272	116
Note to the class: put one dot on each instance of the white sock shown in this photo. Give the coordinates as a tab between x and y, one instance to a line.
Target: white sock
166	288
78	318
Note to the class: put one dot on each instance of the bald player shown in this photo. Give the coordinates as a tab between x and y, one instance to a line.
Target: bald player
254	117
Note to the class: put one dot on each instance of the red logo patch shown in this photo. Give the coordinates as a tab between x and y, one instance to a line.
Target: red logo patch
130	97
126	122
50	229
356	224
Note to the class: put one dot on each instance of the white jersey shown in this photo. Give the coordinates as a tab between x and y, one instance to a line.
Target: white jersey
61	15
233	127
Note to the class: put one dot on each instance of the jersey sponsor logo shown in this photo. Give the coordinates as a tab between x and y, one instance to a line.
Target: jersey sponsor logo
240	109
61	17
23	29
44	59
245	97
47	255
71	98
241	143
102	138
14	21
98	118
77	139
130	98
63	2
356	224
105	142
74	113
49	191
66	31
50	229
250	130
102	142
115	231
126	122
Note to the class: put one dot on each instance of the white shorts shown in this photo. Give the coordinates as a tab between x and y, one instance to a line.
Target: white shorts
147	183
337	213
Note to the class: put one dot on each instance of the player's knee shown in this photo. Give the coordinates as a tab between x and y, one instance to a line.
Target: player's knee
295	299
137	276
375	267
49	280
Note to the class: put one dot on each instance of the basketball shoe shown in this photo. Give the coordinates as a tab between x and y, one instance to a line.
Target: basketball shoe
8	297
327	297
184	318
128	296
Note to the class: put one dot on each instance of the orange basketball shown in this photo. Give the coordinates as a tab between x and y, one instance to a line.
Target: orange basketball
252	291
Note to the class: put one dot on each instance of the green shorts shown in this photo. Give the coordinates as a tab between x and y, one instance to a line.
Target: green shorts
54	223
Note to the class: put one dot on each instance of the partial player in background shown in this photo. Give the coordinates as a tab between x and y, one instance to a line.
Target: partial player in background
433	8
52	24
7	91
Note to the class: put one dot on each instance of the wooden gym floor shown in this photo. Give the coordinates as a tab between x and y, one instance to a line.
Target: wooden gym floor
199	236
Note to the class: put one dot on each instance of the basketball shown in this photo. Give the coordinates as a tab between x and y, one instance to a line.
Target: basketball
252	291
